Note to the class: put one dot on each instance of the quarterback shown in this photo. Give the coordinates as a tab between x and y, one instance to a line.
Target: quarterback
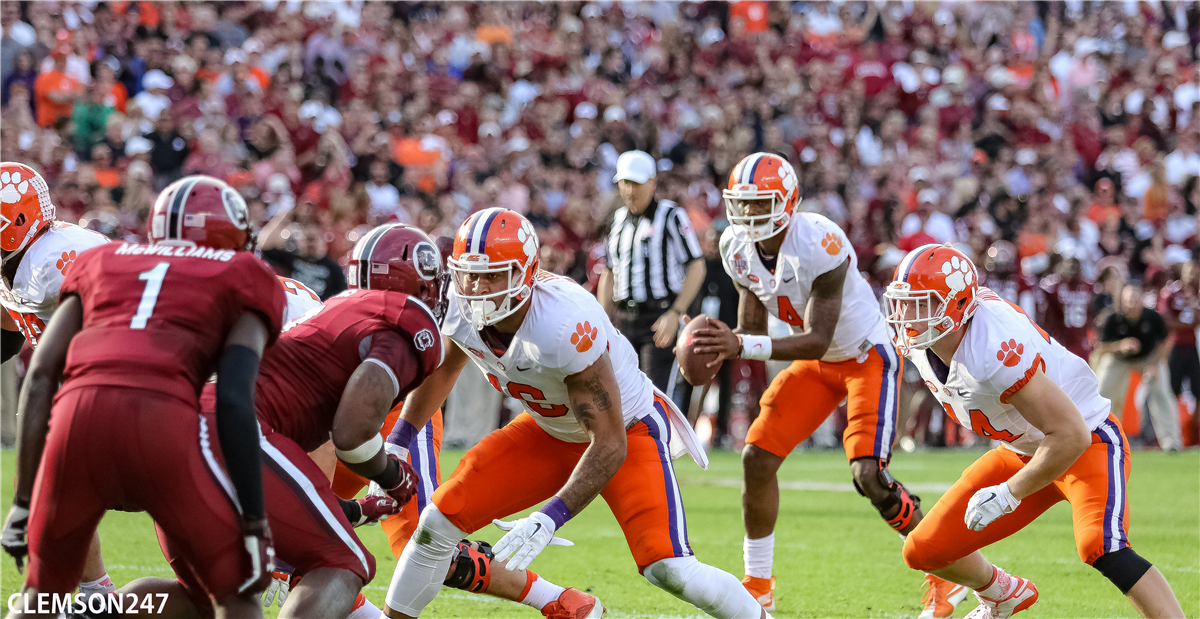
1000	375
800	268
593	426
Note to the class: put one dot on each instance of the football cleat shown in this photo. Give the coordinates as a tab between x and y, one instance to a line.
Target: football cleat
574	604
940	598
1019	594
761	589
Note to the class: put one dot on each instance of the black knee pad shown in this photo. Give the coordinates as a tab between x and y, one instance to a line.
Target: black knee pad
1123	567
899	500
472	567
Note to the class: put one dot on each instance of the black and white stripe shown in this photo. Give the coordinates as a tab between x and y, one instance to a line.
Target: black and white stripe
649	253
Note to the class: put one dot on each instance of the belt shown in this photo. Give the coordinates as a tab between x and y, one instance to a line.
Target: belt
631	309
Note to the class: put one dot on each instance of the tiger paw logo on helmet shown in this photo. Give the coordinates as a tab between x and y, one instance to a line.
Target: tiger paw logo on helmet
528	237
12	187
831	243
583	336
1010	352
68	257
958	274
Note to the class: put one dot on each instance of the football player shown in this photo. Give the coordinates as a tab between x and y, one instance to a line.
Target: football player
1063	300
1000	375
800	268
594	426
1004	274
146	326
37	252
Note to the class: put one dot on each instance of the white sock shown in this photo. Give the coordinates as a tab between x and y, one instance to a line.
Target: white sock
759	555
999	585
102	586
365	611
541	592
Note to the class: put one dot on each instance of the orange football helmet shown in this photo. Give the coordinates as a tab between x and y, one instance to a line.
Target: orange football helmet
935	285
761	176
25	206
494	240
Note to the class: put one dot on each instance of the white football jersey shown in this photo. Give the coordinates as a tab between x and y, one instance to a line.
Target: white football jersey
813	245
33	296
300	299
999	353
564	332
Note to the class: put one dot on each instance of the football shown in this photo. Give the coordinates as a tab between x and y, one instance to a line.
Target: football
694	366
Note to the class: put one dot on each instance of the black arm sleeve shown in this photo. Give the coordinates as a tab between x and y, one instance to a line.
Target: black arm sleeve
351	509
10	344
237	427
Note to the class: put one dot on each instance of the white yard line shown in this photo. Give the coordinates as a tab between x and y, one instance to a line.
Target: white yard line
825	486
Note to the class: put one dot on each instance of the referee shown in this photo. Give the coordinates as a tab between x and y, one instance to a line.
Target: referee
655	267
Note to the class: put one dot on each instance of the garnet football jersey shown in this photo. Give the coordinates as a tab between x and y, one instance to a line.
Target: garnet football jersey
1064	312
34	293
1000	351
302	378
156	317
813	246
1183	309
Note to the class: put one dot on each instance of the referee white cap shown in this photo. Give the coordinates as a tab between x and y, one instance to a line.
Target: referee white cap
635	165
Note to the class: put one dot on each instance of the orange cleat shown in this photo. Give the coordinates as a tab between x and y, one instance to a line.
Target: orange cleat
940	598
761	589
575	604
1019	594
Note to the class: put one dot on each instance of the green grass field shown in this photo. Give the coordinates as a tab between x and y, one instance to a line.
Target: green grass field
833	557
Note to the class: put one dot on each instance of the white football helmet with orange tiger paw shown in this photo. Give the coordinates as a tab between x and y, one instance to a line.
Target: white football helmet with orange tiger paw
935	287
761	176
494	241
25	206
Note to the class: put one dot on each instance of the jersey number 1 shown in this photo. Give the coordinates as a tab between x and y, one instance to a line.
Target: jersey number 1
154	279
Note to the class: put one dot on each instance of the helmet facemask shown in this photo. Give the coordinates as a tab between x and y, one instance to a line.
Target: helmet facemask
907	308
483	309
756	227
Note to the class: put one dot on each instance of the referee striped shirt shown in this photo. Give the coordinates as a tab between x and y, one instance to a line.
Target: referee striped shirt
649	253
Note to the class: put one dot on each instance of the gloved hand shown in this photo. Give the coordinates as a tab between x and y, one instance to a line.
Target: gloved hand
375	508
404	490
13	539
281	583
257	536
525	540
987	505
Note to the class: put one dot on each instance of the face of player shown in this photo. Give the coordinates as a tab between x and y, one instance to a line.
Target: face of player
915	313
757	207
491	286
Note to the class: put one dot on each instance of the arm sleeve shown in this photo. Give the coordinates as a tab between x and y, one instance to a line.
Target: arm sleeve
10	344
237	427
681	229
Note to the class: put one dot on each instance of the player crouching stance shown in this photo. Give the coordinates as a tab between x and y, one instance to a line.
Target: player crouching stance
997	373
594	425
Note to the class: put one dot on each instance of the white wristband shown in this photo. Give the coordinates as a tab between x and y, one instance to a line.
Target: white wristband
362	453
757	347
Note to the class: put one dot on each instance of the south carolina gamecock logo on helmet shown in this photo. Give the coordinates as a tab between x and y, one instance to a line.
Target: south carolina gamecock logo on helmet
761	196
494	261
400	258
202	210
931	296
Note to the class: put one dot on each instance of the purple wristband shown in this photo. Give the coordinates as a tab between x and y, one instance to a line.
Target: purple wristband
558	512
402	434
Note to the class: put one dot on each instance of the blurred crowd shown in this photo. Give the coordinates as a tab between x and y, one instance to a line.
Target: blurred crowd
1044	137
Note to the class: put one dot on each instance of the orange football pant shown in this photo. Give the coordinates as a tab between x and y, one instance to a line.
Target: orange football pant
1094	485
423	455
520	465
804	394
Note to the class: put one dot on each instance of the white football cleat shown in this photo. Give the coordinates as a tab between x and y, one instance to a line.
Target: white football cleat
1019	594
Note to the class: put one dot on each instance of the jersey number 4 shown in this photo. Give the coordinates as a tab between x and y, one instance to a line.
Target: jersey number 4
528	394
154	279
982	426
788	313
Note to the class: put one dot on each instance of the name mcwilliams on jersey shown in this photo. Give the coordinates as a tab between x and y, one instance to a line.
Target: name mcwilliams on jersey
208	253
61	603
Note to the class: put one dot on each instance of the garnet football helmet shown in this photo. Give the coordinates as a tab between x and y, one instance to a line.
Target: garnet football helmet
935	285
399	258
761	176
494	240
25	207
204	211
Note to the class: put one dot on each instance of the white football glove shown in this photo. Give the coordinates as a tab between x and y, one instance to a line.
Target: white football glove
987	505
278	589
525	540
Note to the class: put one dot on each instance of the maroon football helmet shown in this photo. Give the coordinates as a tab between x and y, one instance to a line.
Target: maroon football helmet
399	258
203	210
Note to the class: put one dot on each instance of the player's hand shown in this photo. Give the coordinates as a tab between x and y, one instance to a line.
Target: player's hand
277	591
404	490
13	538
257	536
1130	346
375	508
525	540
718	338
987	505
666	329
